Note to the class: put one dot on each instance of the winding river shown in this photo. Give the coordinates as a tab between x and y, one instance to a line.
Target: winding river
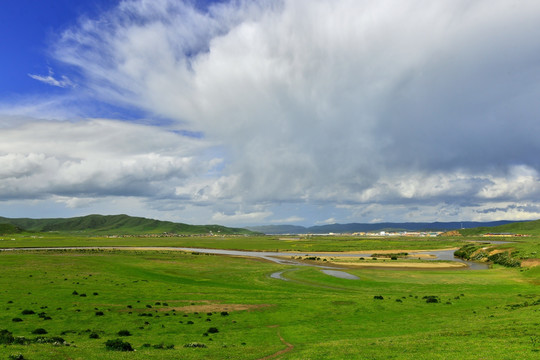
284	258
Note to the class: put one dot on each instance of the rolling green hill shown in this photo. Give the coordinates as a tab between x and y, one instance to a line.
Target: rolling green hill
113	224
526	228
9	229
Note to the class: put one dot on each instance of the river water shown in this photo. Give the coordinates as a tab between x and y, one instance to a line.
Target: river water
277	257
447	255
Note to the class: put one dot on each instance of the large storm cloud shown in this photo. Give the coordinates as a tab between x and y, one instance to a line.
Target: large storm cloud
375	108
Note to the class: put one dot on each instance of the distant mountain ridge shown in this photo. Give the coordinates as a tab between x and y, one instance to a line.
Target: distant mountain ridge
375	227
111	225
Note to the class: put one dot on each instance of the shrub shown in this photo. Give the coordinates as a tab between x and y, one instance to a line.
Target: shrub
504	259
28	312
49	340
195	345
93	335
431	299
16	319
74	292
118	345
99	313
39	331
212	330
6	337
224	313
16	357
378	297
124	333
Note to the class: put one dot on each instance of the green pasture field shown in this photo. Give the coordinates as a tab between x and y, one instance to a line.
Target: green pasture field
254	243
167	300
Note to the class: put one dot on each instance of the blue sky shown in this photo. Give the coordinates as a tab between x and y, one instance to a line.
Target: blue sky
270	111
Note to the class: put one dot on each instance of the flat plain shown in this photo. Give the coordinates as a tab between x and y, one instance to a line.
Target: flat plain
68	304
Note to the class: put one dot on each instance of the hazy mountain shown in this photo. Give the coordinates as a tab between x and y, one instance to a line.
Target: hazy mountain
386	226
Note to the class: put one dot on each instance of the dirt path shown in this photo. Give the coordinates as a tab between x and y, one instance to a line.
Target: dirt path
288	348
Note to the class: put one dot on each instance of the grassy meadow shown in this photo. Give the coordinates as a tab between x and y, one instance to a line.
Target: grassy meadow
174	305
253	243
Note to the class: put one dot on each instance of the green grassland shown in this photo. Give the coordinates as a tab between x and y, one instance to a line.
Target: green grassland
167	300
244	242
528	227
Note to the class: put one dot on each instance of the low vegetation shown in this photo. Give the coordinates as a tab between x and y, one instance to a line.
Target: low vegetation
163	304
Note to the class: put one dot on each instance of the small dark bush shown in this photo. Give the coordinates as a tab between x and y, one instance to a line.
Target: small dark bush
212	330
399	300
99	313
49	340
16	357
224	313
40	331
195	345
431	299
149	306
28	312
95	294
74	292
393	258
118	345
165	304
190	322
6	337
378	297
16	319
82	295
124	333
94	335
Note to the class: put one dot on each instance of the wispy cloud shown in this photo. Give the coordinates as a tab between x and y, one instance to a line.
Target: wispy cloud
63	82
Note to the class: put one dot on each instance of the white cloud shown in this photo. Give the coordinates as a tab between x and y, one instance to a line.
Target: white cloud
63	82
400	110
327	221
289	220
241	217
97	158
